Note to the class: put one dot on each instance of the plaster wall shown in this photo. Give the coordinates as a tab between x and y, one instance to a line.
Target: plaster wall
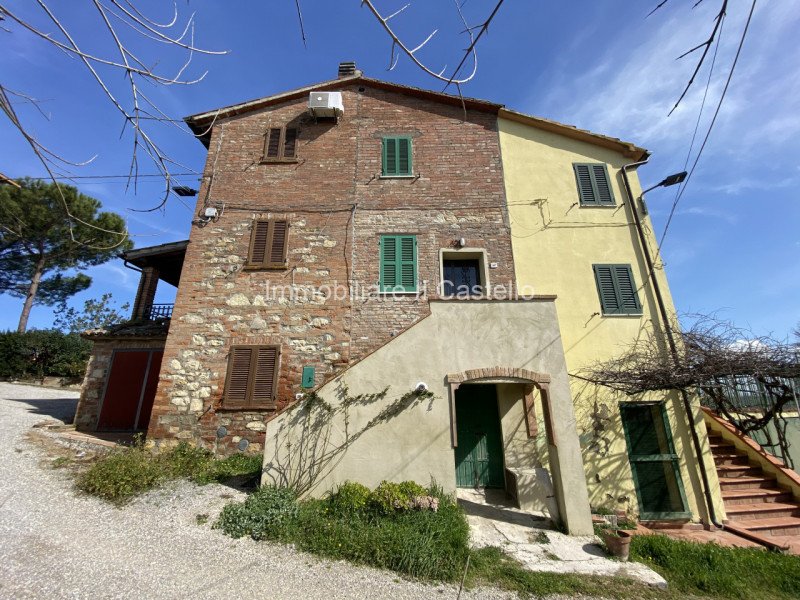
555	242
317	445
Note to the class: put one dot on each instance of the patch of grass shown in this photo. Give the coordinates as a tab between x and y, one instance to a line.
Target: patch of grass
201	519
492	567
541	537
713	571
61	462
127	472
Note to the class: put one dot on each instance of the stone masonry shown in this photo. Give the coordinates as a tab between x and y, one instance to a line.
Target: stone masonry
337	206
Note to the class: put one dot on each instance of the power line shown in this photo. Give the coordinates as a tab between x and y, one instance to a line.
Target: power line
710	126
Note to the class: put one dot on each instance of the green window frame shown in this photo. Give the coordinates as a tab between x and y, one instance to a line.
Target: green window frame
398	263
396	159
617	290
594	184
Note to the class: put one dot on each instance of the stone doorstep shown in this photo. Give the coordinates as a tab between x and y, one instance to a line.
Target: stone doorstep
103	440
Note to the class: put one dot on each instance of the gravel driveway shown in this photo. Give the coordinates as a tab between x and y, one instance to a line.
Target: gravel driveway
55	544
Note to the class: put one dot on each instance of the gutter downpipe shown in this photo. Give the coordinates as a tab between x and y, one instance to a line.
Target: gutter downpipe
662	309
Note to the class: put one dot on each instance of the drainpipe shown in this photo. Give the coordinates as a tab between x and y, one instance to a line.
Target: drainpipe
662	311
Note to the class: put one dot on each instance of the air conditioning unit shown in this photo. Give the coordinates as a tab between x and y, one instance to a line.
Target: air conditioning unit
325	104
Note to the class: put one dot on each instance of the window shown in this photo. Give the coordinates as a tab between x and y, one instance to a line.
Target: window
594	184
617	290
280	143
268	245
396	157
252	377
398	263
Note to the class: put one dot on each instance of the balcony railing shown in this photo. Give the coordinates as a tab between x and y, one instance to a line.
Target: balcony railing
746	393
158	311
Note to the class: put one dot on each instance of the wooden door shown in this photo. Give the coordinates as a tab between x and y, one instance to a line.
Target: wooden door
479	454
130	389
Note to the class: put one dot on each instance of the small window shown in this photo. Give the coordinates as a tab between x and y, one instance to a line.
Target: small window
252	377
617	290
398	263
280	143
396	157
594	184
461	277
268	245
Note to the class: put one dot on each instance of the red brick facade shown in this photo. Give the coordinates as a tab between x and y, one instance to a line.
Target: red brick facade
337	205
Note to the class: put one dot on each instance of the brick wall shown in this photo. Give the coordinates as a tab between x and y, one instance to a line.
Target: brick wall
337	206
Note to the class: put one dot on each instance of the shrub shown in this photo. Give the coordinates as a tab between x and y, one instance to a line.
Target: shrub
261	516
235	465
43	353
390	497
349	498
122	474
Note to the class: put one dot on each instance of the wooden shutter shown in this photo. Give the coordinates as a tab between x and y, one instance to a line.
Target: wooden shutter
617	290
396	156
265	376
252	377
258	243
268	244
594	185
399	263
272	144
277	243
238	381
290	143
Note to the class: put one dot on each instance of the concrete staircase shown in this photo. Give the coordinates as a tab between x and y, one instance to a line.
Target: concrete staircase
754	501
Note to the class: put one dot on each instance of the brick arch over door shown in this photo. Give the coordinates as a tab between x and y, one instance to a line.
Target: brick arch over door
530	379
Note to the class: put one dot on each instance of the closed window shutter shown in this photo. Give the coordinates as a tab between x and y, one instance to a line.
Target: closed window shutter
602	184
277	247
594	185
399	263
272	145
604	276
389	262
252	377
238	384
290	143
585	188
617	290
404	156
389	156
265	375
258	242
628	297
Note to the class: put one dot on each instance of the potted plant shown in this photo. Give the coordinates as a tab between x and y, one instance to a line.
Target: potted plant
616	538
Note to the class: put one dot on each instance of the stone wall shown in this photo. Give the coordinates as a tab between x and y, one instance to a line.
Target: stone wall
337	206
88	409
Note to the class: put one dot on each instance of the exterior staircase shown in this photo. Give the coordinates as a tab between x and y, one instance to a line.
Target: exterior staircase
754	501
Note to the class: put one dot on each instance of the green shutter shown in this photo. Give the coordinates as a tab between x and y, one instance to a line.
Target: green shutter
398	263
396	159
617	290
594	184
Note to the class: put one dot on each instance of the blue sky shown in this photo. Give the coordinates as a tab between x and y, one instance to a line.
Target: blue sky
603	66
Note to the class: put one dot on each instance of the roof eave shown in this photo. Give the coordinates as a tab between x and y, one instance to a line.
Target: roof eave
627	149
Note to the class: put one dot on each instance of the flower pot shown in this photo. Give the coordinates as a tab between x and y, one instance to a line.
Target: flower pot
618	542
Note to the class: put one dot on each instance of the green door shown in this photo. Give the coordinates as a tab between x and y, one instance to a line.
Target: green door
479	454
653	461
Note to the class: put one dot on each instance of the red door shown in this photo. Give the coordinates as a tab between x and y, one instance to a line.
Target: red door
130	390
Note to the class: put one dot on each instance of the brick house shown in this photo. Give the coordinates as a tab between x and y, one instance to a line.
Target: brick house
360	256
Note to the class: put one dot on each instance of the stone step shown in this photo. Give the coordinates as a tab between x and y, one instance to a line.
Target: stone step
762	510
730	459
739	471
777	526
752	496
746	482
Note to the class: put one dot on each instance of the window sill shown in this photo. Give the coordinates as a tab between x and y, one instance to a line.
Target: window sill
265	268
388	293
599	205
398	177
254	408
623	315
272	161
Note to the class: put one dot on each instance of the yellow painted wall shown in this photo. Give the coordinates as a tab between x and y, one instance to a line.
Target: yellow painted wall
555	242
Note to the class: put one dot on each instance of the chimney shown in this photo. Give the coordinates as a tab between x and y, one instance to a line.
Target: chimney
348	69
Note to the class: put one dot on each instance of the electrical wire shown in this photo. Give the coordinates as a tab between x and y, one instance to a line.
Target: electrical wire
710	127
